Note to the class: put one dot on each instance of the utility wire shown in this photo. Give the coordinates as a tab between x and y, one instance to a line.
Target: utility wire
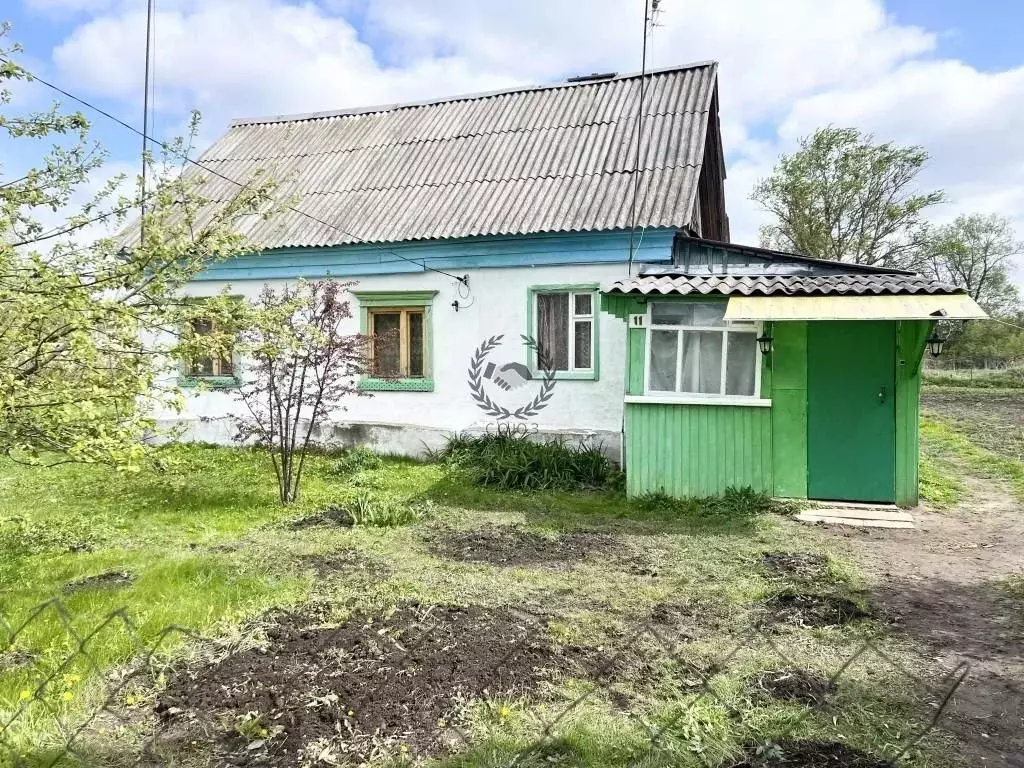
145	119
422	263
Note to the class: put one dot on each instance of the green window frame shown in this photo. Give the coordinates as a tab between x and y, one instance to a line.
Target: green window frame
222	371
582	306
407	305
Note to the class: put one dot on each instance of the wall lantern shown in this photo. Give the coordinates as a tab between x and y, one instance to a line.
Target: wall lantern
935	343
765	342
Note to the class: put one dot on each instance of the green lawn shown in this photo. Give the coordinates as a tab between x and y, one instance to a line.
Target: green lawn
205	546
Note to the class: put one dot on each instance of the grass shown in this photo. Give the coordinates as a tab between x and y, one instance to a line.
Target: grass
1007	378
945	446
940	485
208	547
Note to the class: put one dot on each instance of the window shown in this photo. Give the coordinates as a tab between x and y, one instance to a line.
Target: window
399	325
565	328
214	366
693	350
398	349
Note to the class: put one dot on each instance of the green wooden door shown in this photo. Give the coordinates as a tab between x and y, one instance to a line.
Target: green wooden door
851	416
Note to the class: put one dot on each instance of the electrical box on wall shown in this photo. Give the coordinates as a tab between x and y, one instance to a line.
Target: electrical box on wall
638	321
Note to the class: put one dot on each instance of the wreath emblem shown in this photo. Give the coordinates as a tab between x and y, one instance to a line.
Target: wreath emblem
476	375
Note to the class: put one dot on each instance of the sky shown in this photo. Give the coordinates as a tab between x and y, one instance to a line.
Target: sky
944	74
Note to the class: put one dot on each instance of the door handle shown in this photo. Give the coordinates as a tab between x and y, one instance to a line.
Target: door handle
883	393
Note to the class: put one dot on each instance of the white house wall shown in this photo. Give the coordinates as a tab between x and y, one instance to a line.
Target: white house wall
409	422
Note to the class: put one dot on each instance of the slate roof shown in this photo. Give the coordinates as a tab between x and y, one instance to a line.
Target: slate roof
555	158
779	285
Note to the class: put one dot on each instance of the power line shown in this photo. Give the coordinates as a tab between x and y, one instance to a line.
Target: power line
421	264
145	119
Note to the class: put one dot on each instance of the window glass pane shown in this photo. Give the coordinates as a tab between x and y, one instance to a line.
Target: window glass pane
582	344
225	366
201	366
416	344
662	376
709	313
702	362
553	328
671	313
202	327
583	304
740	364
387	358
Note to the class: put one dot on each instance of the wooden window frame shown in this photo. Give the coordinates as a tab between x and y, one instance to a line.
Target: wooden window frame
397	301
591	373
404	341
223	368
729	328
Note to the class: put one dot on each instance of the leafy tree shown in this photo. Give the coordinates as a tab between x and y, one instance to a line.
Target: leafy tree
842	197
975	252
87	326
302	367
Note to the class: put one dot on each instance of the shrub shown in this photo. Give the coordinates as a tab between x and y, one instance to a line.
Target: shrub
386	513
356	461
514	462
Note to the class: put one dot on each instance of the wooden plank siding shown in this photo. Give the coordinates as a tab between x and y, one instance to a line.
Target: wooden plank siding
697	450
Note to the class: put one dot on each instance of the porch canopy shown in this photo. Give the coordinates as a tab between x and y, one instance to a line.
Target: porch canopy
864	296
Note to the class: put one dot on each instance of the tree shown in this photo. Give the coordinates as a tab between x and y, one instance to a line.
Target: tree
975	252
302	367
842	197
88	326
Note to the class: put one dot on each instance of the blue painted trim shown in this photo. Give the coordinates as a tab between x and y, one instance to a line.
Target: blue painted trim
447	255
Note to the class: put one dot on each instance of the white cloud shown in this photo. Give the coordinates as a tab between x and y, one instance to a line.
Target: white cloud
787	67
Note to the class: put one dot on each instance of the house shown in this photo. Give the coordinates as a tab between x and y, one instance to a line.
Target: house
519	261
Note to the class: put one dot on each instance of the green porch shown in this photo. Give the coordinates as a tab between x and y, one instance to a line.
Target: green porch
836	416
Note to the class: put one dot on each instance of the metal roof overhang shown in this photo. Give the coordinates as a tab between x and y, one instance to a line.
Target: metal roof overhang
902	307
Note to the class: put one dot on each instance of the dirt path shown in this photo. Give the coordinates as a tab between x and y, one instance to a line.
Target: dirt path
942	584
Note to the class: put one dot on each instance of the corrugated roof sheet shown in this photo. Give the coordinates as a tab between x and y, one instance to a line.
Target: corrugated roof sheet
555	158
777	285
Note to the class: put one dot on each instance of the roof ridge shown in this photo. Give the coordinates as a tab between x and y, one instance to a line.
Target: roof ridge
301	117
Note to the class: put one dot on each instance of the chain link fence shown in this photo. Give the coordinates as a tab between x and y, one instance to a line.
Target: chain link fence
488	685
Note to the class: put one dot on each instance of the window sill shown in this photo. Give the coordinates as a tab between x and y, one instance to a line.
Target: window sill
208	382
668	399
397	385
567	375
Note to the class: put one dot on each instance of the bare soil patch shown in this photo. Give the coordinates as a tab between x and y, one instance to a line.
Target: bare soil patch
506	545
806	565
993	420
336	516
347	563
110	579
400	678
798	685
810	754
808	610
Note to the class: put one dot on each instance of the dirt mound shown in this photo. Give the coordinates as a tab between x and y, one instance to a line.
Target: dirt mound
330	516
806	610
809	754
376	681
111	579
346	562
510	546
804	564
793	685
